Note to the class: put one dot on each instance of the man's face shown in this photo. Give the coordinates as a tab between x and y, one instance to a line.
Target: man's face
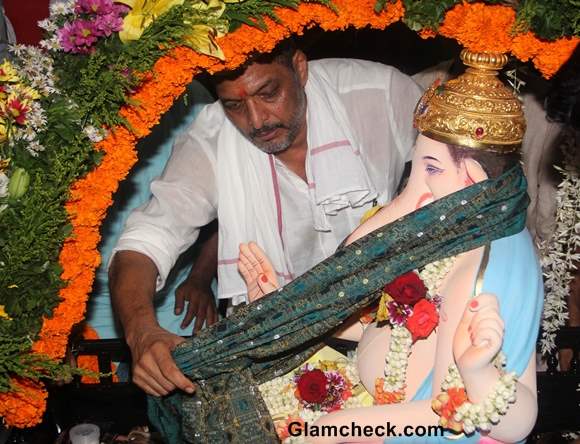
267	103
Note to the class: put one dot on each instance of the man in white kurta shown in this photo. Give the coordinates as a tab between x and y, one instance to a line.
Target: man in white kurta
358	135
378	102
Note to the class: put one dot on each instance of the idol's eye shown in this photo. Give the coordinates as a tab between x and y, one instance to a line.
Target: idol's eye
432	169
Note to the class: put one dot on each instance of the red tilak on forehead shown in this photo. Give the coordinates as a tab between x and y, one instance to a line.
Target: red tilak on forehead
242	93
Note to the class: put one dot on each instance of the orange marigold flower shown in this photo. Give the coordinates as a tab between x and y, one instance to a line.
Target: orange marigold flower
24	405
384	397
554	55
446	404
526	46
546	56
427	33
479	27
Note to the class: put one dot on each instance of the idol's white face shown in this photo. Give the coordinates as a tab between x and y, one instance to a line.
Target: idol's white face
442	174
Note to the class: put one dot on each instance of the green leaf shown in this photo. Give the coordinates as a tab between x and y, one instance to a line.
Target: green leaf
426	14
380	5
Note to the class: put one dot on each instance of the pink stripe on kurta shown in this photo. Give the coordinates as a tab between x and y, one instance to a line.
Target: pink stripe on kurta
277	197
276	186
234	261
286	276
329	146
227	261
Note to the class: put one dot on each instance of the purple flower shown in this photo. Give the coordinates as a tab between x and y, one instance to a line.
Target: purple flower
437	300
108	23
99	7
120	9
398	313
78	37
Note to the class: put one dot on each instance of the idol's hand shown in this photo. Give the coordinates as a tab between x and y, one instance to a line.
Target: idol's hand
257	271
479	335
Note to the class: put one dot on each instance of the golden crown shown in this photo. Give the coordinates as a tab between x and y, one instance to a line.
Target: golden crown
475	110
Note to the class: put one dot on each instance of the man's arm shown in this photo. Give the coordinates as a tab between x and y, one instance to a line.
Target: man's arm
132	278
196	288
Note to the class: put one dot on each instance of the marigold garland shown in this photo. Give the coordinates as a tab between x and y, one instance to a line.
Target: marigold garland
547	57
24	406
480	27
490	28
475	25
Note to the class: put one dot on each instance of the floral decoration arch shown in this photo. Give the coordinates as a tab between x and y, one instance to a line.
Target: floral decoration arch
475	25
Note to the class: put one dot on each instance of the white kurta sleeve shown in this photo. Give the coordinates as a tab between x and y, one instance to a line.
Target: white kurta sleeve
183	200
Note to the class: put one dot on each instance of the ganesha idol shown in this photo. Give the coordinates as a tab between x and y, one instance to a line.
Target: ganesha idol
449	353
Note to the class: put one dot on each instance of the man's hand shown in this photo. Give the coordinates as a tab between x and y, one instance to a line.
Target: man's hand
132	283
200	303
154	369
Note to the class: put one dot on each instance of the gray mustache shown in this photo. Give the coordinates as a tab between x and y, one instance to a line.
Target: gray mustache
265	129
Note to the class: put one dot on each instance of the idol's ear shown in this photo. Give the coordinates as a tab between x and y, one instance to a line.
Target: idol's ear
473	171
300	64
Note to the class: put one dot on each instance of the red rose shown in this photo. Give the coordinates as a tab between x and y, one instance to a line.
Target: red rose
406	289
423	320
312	386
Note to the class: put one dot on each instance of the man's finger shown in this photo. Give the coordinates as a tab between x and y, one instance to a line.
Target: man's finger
150	375
192	309
179	300
200	316
143	385
211	317
150	367
177	378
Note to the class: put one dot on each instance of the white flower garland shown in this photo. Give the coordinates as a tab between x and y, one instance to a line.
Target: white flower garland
482	416
397	358
278	394
434	273
559	253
